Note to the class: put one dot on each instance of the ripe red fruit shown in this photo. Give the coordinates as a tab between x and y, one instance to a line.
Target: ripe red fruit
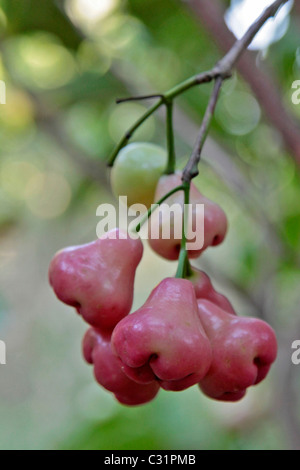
205	290
243	351
98	278
164	340
215	221
108	372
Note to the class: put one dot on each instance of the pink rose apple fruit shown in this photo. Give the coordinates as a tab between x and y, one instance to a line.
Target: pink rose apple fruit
98	278
205	290
204	230
108	372
164	340
243	350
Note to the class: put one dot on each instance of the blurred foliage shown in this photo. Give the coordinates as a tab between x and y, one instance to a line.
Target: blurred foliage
68	61
25	17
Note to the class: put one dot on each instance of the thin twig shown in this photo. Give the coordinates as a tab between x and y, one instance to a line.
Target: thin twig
261	79
223	70
231	58
137	98
191	169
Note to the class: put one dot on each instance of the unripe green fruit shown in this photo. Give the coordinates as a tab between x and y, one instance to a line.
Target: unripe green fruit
136	172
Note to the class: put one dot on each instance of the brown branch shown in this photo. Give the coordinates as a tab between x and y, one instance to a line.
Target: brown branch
217	157
232	57
222	71
191	168
297	7
261	81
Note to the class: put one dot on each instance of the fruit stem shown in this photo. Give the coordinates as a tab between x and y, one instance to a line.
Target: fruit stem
220	72
125	139
170	169
156	205
184	268
191	169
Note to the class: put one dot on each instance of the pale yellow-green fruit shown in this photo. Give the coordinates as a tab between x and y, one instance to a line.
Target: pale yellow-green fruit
136	172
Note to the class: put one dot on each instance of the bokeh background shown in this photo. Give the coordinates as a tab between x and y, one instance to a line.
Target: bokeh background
64	64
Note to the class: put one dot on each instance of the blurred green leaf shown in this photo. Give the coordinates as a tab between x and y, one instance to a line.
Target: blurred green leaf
32	15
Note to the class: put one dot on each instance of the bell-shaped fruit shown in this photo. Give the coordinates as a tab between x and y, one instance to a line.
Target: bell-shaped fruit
204	229
205	290
136	172
243	350
98	278
164	340
108	372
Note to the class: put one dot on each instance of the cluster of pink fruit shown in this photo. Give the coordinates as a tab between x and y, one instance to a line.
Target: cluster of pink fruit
185	334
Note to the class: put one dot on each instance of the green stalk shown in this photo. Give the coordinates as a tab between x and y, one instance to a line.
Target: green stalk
124	141
167	99
170	169
154	206
184	268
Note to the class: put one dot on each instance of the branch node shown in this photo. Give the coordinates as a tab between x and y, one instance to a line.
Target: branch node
139	98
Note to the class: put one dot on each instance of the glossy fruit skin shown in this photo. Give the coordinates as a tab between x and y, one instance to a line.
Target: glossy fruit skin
96	347
243	351
215	221
98	278
205	290
164	340
136	172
